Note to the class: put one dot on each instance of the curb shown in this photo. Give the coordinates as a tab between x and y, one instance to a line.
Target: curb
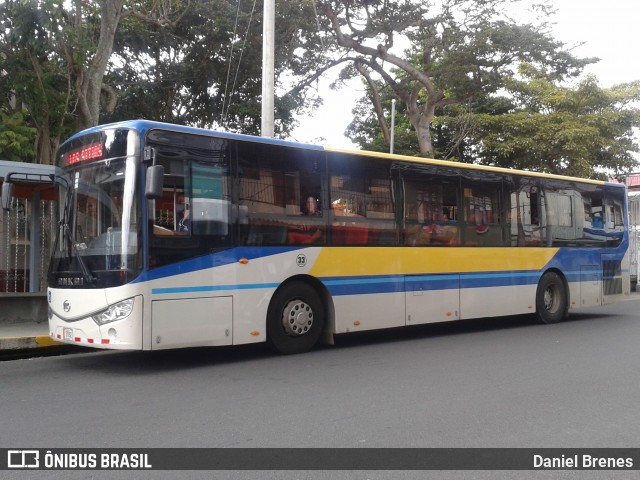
21	343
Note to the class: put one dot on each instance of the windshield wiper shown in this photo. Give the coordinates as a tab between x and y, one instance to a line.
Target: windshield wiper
86	273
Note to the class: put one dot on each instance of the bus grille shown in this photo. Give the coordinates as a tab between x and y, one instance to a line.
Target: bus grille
612	277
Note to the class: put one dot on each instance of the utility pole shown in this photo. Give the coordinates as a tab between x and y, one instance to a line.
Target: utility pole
268	46
393	125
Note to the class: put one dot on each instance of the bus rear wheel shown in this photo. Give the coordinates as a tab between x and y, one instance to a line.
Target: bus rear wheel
552	301
295	319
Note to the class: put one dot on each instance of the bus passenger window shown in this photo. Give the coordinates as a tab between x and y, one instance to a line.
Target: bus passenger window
431	213
362	209
524	214
280	194
481	215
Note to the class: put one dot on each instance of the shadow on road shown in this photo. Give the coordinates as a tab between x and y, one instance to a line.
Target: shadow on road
462	327
144	363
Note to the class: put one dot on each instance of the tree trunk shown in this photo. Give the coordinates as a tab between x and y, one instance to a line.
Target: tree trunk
89	81
44	144
424	136
421	120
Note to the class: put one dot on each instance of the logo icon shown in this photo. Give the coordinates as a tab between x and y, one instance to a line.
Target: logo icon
301	260
66	305
23	459
49	296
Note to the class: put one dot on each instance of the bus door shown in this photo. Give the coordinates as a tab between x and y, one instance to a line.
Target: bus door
431	233
190	224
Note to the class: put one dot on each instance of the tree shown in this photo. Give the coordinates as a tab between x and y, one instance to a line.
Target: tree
55	57
584	131
532	124
206	69
35	89
461	50
172	62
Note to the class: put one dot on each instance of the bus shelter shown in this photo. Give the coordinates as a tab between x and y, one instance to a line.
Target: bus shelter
25	240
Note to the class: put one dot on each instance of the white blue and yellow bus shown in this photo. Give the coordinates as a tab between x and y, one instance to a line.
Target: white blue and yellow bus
172	236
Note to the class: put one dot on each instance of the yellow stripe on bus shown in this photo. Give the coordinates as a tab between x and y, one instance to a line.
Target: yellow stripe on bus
357	261
462	166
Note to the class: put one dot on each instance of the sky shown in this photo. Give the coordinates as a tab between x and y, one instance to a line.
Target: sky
608	29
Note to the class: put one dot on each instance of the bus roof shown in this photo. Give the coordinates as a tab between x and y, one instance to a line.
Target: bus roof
144	126
471	166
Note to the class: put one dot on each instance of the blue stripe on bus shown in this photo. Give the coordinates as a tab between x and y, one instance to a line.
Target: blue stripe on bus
363	285
409	283
502	279
226	257
340	286
211	288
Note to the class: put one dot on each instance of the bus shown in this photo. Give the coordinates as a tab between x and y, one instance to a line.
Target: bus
171	236
634	236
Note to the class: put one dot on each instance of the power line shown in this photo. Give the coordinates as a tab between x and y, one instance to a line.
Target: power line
226	87
235	78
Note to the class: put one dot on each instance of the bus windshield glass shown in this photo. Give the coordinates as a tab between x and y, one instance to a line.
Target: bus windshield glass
97	236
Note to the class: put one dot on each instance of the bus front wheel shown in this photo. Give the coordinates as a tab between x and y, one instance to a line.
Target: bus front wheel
552	301
295	319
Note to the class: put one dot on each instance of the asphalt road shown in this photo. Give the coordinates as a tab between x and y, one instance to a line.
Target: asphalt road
487	383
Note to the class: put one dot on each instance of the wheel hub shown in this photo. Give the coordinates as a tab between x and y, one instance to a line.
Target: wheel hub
297	318
549	299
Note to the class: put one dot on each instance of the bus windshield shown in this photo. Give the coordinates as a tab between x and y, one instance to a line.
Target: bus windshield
97	236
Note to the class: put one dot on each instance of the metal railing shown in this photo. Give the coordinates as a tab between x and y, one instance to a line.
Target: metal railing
23	254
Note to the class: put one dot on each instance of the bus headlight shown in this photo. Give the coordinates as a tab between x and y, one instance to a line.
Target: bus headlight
117	311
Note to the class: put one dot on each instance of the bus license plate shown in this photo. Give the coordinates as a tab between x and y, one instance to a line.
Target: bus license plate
68	334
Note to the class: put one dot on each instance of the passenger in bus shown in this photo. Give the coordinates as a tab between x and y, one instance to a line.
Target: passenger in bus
182	210
307	234
442	231
182	224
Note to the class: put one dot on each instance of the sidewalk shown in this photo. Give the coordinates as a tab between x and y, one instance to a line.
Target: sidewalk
23	335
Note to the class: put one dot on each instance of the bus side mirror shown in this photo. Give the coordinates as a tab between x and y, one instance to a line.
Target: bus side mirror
7	195
155	182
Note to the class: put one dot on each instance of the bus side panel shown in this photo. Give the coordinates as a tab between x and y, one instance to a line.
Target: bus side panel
229	292
587	292
257	281
483	302
355	313
191	322
250	315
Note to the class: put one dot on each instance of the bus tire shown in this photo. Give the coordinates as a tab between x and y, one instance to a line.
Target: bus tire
552	301
295	319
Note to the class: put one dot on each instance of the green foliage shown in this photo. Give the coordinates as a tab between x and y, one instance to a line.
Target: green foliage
460	51
177	61
35	86
586	131
490	91
205	69
16	139
533	124
365	131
